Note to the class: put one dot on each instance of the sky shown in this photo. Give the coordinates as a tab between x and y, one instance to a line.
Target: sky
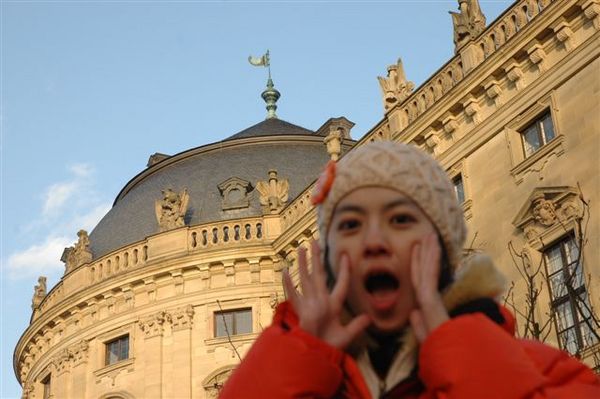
90	89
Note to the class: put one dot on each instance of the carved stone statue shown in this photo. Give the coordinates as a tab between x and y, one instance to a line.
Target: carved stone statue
274	193
79	254
395	87
170	211
544	211
468	23
39	293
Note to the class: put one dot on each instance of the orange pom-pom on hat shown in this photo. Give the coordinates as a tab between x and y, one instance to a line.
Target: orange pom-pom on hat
324	183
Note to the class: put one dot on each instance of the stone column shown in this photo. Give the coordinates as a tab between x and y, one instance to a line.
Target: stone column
152	327
61	380
79	373
181	355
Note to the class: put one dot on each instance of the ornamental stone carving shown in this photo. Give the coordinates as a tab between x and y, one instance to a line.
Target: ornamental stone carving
170	211
62	361
79	254
28	390
546	207
235	193
395	87
273	193
333	141
39	293
79	352
182	318
543	211
468	23
152	326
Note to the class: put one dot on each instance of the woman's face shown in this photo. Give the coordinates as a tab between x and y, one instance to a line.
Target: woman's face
377	228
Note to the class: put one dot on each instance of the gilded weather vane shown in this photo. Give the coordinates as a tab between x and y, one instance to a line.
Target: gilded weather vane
270	94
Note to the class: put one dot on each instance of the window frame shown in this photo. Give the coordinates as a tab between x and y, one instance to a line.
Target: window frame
460	194
568	299
460	170
107	351
221	314
523	164
538	124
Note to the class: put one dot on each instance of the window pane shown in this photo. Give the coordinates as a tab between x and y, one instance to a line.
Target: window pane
588	337
571	250
548	127
564	316
237	321
244	321
554	259
568	340
221	319
531	140
124	348
459	188
117	350
558	287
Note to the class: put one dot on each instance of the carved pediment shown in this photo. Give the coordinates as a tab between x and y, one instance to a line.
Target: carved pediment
235	193
547	206
214	381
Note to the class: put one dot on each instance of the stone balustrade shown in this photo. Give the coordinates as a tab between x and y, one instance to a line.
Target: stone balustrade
226	233
491	40
298	208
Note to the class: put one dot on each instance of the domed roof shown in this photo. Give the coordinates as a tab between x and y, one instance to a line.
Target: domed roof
296	153
271	127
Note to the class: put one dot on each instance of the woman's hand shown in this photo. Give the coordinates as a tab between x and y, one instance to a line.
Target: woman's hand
319	310
425	273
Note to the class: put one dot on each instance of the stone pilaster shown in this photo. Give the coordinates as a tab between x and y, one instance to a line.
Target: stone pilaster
152	328
181	354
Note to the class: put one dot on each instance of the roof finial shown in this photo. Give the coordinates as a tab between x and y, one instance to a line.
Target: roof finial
270	94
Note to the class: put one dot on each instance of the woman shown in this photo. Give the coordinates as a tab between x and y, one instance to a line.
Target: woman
387	312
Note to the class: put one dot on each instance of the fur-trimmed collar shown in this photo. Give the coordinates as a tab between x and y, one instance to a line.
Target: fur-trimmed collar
477	278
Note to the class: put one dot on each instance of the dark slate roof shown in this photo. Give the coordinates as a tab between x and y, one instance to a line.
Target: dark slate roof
132	217
271	127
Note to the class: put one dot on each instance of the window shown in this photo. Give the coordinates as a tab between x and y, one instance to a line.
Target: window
459	188
117	350
569	298
537	134
46	383
233	322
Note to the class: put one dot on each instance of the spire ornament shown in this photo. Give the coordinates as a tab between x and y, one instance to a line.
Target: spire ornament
270	94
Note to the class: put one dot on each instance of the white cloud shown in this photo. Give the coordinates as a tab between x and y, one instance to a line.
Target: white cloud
81	170
56	196
67	207
37	260
59	194
89	220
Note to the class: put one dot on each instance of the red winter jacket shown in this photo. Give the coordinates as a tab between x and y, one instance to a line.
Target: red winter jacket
468	357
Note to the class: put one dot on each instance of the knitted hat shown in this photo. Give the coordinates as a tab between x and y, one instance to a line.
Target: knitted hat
400	167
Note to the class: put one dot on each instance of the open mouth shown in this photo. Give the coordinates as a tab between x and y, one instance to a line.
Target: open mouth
380	283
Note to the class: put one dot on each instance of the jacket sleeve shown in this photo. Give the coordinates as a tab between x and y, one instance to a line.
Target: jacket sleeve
286	362
472	357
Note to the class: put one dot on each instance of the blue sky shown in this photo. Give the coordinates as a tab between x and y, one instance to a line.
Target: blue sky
89	90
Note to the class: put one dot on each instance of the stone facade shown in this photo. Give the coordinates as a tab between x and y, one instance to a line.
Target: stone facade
166	292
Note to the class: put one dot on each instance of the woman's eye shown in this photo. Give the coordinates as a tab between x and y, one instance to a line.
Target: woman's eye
402	219
349	224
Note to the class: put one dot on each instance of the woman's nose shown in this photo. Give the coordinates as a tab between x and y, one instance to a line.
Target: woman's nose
375	241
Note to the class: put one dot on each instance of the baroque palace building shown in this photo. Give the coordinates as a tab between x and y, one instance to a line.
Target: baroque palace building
173	285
